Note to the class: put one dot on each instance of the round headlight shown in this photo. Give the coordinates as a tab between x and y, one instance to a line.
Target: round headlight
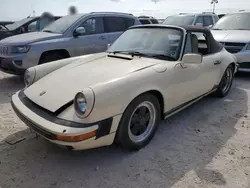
80	104
27	78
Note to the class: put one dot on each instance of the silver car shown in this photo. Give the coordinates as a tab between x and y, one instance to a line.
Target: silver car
69	36
233	31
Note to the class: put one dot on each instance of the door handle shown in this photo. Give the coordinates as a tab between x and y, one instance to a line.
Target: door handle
217	62
102	37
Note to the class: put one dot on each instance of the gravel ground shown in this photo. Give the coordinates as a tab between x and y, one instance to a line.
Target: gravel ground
206	145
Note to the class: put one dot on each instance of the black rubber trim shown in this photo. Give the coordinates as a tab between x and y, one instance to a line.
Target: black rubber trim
186	103
30	124
50	116
104	128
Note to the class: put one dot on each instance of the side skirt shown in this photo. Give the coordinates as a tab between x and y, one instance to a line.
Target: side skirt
187	104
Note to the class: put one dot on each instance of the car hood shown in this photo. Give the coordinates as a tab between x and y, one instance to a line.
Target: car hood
27	38
61	86
239	36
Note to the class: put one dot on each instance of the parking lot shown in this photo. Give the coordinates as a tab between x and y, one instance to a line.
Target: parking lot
206	145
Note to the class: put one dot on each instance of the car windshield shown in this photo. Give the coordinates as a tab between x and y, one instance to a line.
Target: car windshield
179	20
18	24
162	43
62	24
240	22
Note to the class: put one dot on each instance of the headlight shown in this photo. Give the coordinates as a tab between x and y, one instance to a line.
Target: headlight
29	77
84	102
20	49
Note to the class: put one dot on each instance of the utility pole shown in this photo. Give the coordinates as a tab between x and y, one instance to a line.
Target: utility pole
214	2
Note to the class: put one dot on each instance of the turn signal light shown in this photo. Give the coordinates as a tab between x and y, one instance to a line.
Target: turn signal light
78	138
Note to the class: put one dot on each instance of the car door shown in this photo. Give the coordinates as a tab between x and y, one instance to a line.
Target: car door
114	26
194	80
94	40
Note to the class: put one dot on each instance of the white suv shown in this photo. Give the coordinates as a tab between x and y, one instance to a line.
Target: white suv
204	19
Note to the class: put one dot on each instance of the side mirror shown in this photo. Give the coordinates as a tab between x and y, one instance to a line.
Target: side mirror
210	26
199	24
192	59
79	31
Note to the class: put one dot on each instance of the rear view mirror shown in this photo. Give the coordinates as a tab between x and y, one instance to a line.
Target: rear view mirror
192	59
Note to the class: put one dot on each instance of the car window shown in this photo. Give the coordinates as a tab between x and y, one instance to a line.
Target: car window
179	20
216	18
188	45
145	21
129	22
114	24
207	21
154	21
202	43
32	27
164	42
93	26
199	20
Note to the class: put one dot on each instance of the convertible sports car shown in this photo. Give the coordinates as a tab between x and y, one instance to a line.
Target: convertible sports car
149	73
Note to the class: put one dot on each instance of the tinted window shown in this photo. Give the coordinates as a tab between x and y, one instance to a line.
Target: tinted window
234	22
114	24
93	26
179	20
216	18
129	22
151	42
154	21
32	26
207	21
144	21
62	24
199	20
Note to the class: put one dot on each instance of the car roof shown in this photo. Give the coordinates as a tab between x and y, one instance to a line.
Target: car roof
112	13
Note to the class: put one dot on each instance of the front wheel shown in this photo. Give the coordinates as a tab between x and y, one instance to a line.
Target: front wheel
226	82
139	122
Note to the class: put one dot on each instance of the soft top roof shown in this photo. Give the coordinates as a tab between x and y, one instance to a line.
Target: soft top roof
213	45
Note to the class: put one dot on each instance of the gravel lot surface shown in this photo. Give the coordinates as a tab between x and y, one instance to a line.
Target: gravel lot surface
206	145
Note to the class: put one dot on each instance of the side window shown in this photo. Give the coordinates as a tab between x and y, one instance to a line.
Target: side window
32	27
208	20
199	21
154	21
216	18
129	22
114	24
144	21
93	26
202	42
188	44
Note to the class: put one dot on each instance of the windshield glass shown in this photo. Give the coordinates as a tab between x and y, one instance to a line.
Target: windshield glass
62	24
179	20
234	22
18	24
154	42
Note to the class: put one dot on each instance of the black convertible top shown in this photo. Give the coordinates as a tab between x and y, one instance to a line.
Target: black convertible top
213	45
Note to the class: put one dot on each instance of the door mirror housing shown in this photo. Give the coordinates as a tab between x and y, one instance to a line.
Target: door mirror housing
210	26
79	31
192	59
109	45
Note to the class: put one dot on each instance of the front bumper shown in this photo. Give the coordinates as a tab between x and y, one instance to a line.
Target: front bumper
51	129
243	59
8	65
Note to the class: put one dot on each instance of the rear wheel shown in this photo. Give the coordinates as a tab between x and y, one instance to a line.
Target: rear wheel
139	122
226	82
51	57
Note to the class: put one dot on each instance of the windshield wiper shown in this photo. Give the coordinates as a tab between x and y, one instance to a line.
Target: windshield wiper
132	53
163	57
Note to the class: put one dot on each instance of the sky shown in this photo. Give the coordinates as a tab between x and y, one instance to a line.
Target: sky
18	9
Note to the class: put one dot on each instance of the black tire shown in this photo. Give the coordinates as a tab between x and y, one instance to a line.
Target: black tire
50	57
223	89
123	136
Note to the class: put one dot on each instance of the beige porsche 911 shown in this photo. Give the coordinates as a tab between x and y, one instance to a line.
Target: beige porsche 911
149	73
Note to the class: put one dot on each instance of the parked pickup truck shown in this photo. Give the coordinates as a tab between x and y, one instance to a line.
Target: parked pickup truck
25	25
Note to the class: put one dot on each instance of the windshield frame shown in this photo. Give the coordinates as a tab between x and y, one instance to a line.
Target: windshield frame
182	38
227	17
77	16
